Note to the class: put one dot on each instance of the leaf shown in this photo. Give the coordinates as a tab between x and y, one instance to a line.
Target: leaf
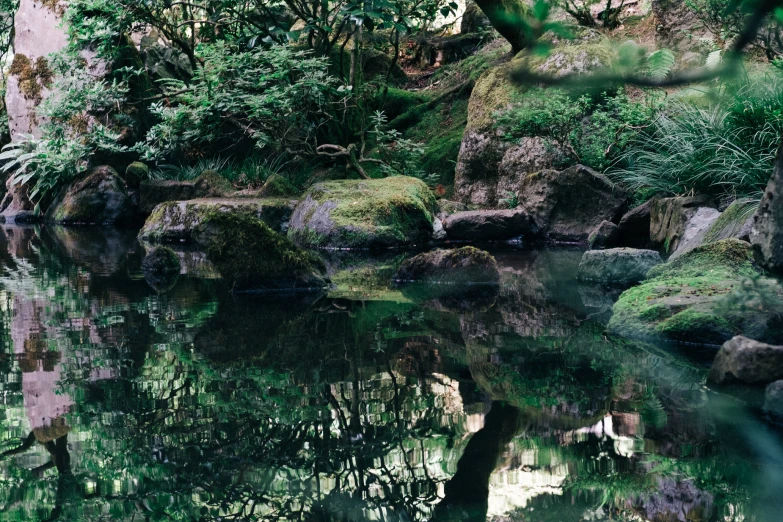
660	64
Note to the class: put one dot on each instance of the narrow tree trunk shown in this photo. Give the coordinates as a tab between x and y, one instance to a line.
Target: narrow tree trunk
510	18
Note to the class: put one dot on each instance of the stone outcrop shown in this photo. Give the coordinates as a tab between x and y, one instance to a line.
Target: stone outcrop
747	361
488	165
377	213
767	231
154	192
603	236
461	265
695	230
633	230
618	265
706	296
99	198
181	221
670	218
489	225
568	205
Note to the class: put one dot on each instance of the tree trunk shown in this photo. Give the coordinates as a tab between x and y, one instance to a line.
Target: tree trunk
510	19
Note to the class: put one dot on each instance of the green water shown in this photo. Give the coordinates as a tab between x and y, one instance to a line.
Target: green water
120	402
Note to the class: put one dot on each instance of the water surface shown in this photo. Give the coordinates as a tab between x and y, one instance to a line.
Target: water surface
121	401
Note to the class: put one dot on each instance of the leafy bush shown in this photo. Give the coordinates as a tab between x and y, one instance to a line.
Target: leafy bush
726	150
593	131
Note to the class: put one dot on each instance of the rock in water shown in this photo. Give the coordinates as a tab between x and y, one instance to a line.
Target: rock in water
489	225
773	400
604	235
707	295
618	265
376	213
767	232
747	361
98	198
161	267
567	205
461	265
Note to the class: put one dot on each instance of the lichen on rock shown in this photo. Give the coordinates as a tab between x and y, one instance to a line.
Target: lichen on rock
377	213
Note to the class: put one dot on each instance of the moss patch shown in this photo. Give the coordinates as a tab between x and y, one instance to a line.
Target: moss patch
278	186
705	296
32	77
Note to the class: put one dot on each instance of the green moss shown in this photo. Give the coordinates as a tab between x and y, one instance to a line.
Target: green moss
135	173
397	101
32	77
731	221
213	180
161	260
441	130
691	324
717	260
278	186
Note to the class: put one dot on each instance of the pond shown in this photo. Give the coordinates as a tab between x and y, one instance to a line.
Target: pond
369	402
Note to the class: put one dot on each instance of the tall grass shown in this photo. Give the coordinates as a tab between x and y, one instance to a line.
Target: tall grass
726	150
249	172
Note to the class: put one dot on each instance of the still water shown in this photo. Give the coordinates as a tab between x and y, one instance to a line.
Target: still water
123	402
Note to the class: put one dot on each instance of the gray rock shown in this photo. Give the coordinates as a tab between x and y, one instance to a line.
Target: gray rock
633	230
767	232
773	400
489	225
460	265
696	230
446	208
669	219
618	265
567	205
163	62
747	361
604	235
97	198
154	192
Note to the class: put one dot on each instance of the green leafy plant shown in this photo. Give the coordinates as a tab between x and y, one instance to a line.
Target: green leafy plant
511	200
397	156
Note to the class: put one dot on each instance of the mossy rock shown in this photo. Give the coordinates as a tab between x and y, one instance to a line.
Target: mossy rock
277	186
378	213
252	257
209	184
135	173
97	198
161	266
179	221
460	265
705	296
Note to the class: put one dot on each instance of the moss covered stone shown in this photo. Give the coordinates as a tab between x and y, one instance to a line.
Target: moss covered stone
180	221
705	296
277	186
377	213
100	197
461	265
135	173
209	184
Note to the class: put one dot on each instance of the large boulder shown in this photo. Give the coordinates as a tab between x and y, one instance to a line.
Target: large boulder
207	185
100	197
767	232
489	165
670	218
489	225
617	265
633	230
603	236
747	361
376	213
706	296
461	265
568	205
181	221
695	230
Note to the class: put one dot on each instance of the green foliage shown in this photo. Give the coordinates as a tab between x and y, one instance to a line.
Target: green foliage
592	131
660	64
726	150
511	200
399	156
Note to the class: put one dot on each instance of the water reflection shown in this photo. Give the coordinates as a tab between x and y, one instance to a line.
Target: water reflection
126	402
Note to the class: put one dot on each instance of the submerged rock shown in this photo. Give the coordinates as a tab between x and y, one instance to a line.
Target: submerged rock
376	213
745	360
707	295
98	198
618	265
461	265
604	235
489	225
670	217
773	400
767	231
567	205
177	221
154	192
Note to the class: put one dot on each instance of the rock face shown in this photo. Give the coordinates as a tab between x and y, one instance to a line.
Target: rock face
489	225
376	213
773	400
670	217
16	206
747	361
604	235
677	25
767	232
707	295
181	221
98	198
633	230
568	205
462	265
695	230
488	165
618	265
154	192
30	78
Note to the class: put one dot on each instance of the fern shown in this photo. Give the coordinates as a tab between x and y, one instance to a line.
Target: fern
660	64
